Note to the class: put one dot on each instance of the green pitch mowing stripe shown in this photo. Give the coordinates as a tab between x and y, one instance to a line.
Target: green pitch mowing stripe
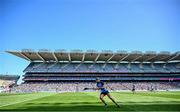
89	101
11	99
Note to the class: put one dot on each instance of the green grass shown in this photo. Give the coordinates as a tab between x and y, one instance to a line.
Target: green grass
88	101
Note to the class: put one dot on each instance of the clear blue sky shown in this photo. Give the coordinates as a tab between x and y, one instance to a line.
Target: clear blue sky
86	24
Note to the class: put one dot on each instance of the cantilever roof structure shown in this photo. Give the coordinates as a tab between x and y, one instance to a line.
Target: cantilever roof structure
45	55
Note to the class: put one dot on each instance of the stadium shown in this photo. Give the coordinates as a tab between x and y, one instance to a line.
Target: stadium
66	73
123	69
89	56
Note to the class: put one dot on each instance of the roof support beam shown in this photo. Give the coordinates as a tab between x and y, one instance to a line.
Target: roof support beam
136	58
152	65
110	57
141	65
69	57
174	57
83	57
65	66
40	56
108	61
52	65
117	65
38	65
104	65
54	56
150	58
25	56
97	57
124	57
78	66
129	66
164	58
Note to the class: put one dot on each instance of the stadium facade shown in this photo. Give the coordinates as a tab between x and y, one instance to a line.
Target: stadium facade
79	66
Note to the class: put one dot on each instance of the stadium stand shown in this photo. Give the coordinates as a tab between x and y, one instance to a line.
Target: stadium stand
7	82
75	70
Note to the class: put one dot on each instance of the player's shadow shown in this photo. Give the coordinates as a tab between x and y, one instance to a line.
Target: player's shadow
95	106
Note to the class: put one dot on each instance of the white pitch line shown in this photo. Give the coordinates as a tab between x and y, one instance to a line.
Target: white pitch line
24	101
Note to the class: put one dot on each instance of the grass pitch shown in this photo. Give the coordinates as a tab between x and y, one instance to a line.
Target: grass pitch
88	101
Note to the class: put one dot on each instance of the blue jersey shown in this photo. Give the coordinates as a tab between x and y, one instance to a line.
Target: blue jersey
101	86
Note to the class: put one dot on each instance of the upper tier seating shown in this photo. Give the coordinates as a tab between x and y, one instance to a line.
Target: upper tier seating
102	67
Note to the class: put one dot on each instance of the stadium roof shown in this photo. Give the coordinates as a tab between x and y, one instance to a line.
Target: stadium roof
45	55
9	77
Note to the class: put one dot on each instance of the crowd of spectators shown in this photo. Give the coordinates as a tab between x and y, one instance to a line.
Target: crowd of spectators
79	86
101	67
